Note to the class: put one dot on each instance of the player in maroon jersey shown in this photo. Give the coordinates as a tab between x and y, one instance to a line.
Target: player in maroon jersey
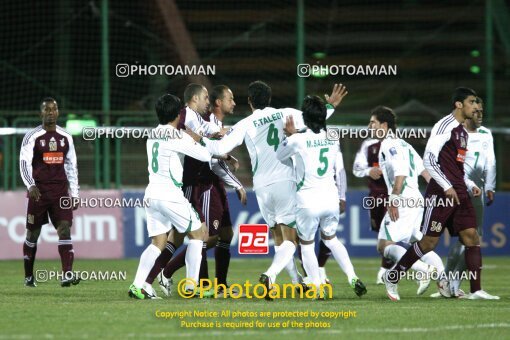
444	160
49	170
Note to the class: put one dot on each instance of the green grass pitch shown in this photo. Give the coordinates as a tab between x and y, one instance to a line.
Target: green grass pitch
102	309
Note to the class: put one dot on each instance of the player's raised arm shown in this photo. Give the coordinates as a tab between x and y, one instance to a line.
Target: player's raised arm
71	169
335	98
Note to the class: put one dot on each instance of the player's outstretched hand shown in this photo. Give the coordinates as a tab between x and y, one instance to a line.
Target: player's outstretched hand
337	95
290	127
451	195
241	194
375	173
490	197
476	191
233	163
34	193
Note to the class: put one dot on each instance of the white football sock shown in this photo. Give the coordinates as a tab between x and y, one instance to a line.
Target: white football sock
395	252
455	255
193	259
322	274
341	257
282	257
292	270
311	264
147	260
433	259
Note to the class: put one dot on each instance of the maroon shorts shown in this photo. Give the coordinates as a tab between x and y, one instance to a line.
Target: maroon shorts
48	205
211	204
438	215
377	214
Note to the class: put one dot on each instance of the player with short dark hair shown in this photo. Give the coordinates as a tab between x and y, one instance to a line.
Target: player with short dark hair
49	170
444	160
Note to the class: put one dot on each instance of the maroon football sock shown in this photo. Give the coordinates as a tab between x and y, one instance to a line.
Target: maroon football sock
204	269
161	262
413	254
324	254
386	263
65	249
473	256
222	256
175	263
29	251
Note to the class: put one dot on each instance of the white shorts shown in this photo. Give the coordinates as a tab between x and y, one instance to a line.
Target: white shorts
163	215
308	220
277	203
405	229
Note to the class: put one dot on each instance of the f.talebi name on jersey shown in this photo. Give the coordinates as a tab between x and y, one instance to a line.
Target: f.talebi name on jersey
268	119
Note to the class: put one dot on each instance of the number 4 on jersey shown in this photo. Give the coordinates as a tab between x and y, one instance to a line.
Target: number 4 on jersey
272	137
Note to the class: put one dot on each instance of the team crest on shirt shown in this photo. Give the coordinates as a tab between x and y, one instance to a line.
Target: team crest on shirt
53	144
63	142
485	145
393	151
216	224
42	142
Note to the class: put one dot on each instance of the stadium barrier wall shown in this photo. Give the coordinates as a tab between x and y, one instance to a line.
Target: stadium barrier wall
108	233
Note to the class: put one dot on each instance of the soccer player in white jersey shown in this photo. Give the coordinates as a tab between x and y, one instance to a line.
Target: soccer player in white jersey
479	167
317	161
168	208
273	181
401	165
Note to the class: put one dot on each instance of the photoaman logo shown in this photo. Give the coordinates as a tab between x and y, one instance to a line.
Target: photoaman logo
253	239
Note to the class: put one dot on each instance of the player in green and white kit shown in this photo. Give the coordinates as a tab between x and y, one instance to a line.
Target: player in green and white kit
480	170
168	208
273	181
317	162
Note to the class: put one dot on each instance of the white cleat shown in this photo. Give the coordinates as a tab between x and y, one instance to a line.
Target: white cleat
165	284
444	288
380	274
424	283
150	291
480	295
391	289
436	295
